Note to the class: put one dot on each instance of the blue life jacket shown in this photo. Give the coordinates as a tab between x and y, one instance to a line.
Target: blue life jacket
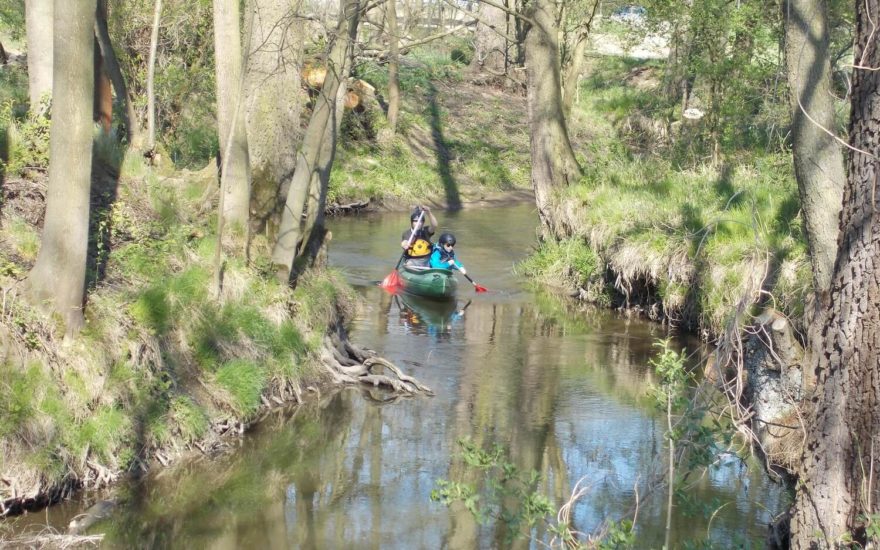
440	258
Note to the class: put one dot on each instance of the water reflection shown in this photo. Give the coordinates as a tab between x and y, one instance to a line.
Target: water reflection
563	390
432	318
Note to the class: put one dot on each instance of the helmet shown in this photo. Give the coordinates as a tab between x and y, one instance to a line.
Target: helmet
447	238
416	214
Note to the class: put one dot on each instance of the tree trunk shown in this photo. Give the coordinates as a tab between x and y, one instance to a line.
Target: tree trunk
839	471
38	16
573	59
103	101
58	276
554	165
274	102
393	65
490	44
235	173
818	161
320	129
111	64
317	200
151	72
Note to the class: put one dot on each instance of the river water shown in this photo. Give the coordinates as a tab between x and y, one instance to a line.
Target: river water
563	391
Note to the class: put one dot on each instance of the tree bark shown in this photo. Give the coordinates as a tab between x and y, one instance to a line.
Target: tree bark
151	73
133	130
818	161
839	471
310	163
235	174
573	59
490	42
274	102
393	65
58	276
38	20
554	165
103	102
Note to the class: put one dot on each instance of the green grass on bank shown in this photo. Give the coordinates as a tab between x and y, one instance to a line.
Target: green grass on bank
703	241
161	359
453	138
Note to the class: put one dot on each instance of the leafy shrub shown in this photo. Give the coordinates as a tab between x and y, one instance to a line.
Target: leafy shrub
462	56
25	141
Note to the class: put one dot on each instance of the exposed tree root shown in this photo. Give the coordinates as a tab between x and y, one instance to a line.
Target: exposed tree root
348	364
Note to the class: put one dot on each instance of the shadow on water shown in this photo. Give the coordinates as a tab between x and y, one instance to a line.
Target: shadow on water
441	151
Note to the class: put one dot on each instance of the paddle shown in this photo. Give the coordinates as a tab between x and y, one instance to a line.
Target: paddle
393	278
478	288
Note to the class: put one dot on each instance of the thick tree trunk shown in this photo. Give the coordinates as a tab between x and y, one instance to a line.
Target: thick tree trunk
818	161
310	162
554	165
839	471
111	64
393	65
235	173
38	20
490	44
151	77
58	277
274	101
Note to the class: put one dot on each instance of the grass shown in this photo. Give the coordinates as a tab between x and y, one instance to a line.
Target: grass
452	138
160	361
701	240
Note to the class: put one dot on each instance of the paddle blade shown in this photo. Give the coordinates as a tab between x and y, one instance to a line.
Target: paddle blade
480	288
391	281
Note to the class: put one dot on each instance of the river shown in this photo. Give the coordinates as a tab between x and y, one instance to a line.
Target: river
563	390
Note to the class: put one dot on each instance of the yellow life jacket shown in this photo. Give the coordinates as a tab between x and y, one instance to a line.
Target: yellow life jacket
419	249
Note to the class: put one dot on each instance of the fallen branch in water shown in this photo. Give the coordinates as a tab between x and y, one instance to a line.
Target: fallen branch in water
348	364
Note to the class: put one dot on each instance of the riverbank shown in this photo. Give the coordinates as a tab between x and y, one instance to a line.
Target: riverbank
164	367
691	244
458	143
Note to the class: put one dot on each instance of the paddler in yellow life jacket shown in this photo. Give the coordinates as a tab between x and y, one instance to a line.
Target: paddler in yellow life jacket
416	241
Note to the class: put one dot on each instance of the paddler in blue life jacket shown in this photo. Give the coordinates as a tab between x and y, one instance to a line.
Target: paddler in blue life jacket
443	255
416	241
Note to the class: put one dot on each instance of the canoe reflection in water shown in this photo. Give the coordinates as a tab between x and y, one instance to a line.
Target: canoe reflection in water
429	317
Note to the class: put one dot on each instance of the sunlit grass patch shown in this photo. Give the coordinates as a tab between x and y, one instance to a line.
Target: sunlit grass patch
23	239
244	382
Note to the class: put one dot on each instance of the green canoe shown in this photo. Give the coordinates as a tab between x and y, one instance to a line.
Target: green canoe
439	284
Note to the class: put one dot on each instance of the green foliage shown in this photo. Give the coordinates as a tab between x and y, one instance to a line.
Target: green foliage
503	483
25	142
17	391
462	55
184	81
12	18
732	60
13	88
619	535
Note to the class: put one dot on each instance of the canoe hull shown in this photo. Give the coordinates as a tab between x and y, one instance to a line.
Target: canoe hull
437	284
